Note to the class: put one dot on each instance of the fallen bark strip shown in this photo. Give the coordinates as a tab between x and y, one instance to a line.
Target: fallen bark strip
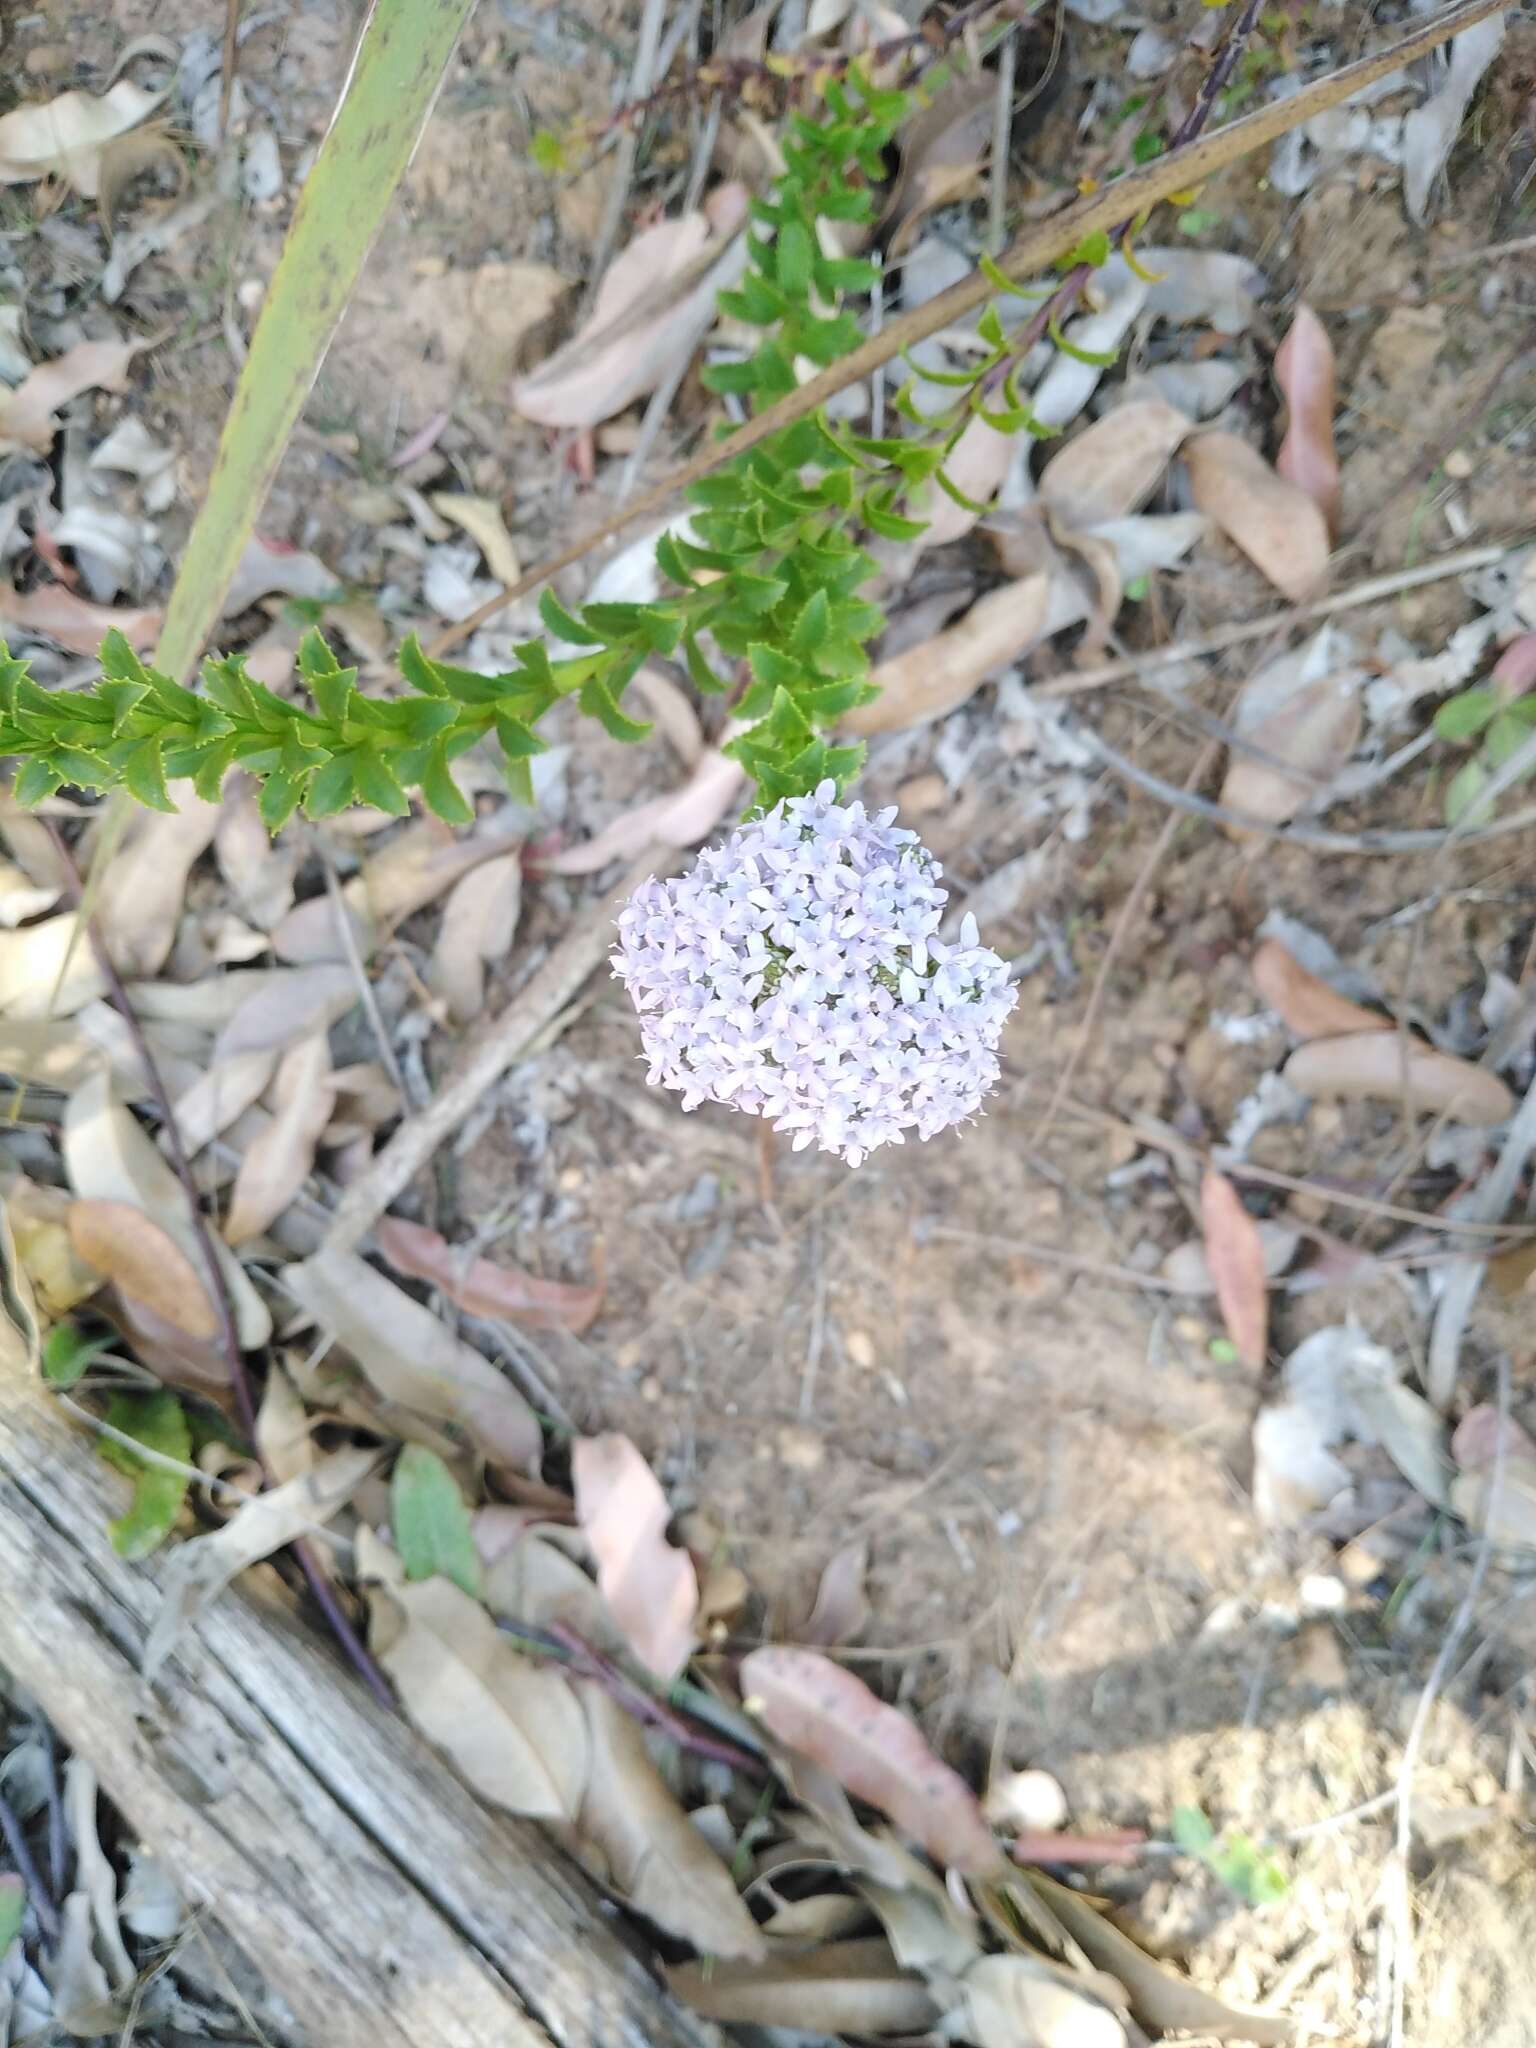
369	1887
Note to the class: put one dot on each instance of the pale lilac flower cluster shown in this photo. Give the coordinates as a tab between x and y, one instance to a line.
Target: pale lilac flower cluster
796	972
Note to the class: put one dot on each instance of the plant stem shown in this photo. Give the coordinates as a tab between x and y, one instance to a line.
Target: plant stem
26	1869
218	1288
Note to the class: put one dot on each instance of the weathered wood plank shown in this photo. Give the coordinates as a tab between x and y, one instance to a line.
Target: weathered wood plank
387	1906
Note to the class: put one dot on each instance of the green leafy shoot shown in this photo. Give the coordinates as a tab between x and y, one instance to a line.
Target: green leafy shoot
158	1422
1240	1864
70	1352
431	1521
762	588
1502	728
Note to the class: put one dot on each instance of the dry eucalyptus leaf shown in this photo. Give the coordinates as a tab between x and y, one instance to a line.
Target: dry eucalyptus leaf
197	1571
286	1006
1300	712
279	1161
1189	1270
94	1874
512	1728
284	1428
270	568
82	1995
1009	1999
479	923
258	871
55	1052
1430	131
840	1612
1306	1005
682	818
128	1247
48	970
1275	524
1304	371
42	1261
27	414
143	880
1159	1999
481	519
1500	1503
848	1987
482	1287
937	676
1112	468
942	147
927	1931
413	1358
65	137
1234	1252
530	1579
74	622
646	1849
816	1707
647	1584
651	311
1384	1066
109	1158
417	865
977	466
221	1095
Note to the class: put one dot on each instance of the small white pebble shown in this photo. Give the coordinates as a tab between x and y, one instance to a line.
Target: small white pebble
860	1347
1025	1803
1322	1593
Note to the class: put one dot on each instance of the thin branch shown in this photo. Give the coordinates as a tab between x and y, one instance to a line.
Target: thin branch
1029	254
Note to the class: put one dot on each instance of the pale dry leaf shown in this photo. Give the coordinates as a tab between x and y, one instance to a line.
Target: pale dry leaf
848	1987
926	1930
682	818
109	1158
511	1727
1305	373
197	1571
1384	1066
45	1265
258	871
1234	1252
1430	131
279	1161
48	970
652	309
146	1263
82	1996
94	1874
312	933
1159	1999
1483	1436
27	414
1110	469
840	1612
818	1918
1070	382
277	567
673	712
65	137
645	1848
1298	714
143	883
1009	1999
220	1095
482	1287
481	519
410	1357
418	864
977	466
530	1579
1274	523
648	1585
286	1006
942	144
936	677
284	1428
54	613
1501	1505
1212	286
55	1052
1306	1005
1338	1385
815	1706
478	926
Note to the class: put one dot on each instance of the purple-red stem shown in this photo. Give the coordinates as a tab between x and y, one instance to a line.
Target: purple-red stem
643	1705
27	1870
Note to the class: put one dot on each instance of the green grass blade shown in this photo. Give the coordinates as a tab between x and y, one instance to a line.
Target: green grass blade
399	66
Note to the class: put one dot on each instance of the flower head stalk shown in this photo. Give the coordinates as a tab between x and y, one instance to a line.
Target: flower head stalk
796	972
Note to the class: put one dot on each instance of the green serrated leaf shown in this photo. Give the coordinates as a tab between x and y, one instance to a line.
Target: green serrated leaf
737	378
377	783
430	1519
158	1422
279	799
1462	794
441	793
143	774
564	624
794	255
599	700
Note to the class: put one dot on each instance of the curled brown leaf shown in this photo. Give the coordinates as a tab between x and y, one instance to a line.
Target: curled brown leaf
1307	1005
482	1287
1273	521
1383	1066
1235	1254
937	676
1304	371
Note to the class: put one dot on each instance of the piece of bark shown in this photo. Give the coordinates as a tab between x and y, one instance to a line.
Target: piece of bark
348	1862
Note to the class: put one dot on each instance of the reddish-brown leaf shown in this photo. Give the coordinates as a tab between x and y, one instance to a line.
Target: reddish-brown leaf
826	1713
150	1268
1277	526
1307	1006
1304	371
1381	1066
1235	1253
649	1584
481	1287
